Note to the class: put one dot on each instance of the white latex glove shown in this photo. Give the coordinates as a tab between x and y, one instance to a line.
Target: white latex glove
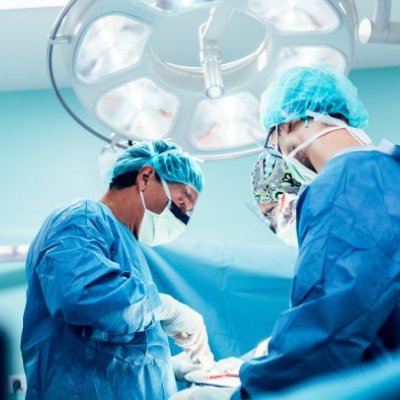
262	348
183	365
187	328
227	365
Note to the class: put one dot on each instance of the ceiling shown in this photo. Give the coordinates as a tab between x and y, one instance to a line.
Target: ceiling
24	32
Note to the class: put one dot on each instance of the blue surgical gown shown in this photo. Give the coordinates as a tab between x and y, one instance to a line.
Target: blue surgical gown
345	298
89	326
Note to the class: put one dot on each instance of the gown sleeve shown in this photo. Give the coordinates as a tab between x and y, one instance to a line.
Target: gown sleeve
82	286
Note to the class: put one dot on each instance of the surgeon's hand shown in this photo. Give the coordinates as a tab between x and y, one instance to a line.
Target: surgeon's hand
187	328
183	365
262	348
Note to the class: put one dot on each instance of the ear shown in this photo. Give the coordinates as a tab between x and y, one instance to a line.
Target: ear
144	178
286	127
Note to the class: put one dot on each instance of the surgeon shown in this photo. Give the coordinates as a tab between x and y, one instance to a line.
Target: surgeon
345	300
95	325
275	194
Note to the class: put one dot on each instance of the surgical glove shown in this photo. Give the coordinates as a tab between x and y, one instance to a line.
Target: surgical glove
262	348
187	328
183	365
228	365
226	370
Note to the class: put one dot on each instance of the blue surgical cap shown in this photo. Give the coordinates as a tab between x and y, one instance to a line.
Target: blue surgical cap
169	161
320	89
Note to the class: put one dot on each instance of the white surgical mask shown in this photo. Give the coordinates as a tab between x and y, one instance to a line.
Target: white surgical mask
304	174
300	172
158	229
286	219
289	234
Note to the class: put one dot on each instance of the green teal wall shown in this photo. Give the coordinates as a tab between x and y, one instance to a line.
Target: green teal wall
46	160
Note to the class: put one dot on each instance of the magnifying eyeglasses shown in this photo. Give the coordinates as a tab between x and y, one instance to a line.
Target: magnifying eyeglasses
273	134
272	139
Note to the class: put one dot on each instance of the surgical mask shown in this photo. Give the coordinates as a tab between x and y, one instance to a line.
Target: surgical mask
158	229
304	174
286	219
300	172
289	235
281	219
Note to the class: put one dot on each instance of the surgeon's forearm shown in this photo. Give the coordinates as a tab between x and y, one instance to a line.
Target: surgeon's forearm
95	293
135	318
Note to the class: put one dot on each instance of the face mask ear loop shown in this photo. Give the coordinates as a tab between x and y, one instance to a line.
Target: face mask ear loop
167	191
326	119
142	198
312	139
358	134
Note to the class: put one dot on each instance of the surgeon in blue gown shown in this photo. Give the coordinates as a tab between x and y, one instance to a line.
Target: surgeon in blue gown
345	300
95	325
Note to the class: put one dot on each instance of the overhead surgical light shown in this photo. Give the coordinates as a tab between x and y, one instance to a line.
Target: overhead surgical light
190	70
380	29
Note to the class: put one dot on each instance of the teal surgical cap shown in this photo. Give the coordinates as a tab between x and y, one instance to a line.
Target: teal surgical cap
169	161
320	89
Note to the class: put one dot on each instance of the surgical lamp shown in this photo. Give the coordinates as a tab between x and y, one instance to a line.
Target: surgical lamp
189	70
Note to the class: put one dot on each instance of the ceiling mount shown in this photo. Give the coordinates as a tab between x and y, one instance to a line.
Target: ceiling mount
380	29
